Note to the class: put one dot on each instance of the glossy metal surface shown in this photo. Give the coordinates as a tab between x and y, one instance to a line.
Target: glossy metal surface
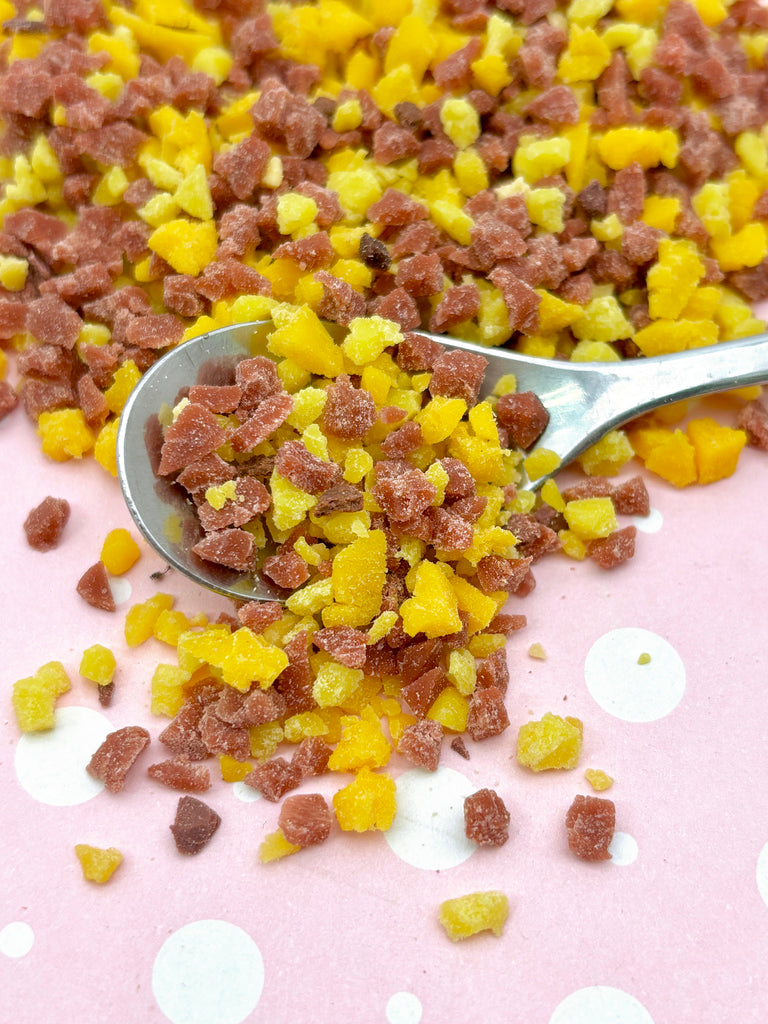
584	401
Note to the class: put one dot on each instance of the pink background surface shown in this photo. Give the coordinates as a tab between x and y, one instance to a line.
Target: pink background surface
348	930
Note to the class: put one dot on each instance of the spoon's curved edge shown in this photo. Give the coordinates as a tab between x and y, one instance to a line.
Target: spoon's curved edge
153	502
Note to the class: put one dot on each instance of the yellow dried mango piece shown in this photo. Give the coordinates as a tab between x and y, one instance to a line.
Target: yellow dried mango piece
119	551
98	865
369	802
465	916
716	448
552	742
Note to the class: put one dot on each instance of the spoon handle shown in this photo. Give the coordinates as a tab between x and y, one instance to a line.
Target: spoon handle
593	398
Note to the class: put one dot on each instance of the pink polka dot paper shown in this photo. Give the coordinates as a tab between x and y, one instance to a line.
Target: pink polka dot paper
672	929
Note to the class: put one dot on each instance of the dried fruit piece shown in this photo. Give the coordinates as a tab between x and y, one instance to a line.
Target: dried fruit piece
476	912
552	742
305	820
486	818
45	523
117	755
98	865
180	773
590	823
93	587
194	825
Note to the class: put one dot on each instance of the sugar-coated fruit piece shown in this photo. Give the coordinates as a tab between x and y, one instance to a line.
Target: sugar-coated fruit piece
116	756
274	778
369	802
421	742
465	916
590	822
551	742
311	756
275	846
98	865
615	549
93	587
523	416
486	818
194	434
487	713
194	825
306	819
98	664
34	698
180	773
45	523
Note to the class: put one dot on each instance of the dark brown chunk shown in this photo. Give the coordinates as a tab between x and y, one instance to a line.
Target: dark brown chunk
45	523
753	419
374	253
486	818
342	497
459	747
116	756
194	825
590	823
631	498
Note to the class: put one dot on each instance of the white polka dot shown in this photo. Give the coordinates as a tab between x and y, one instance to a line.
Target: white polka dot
651	523
403	1008
428	830
208	971
600	1004
245	793
762	874
16	939
121	589
628	690
50	766
623	849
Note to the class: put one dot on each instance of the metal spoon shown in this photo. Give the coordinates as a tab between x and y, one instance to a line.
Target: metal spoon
584	401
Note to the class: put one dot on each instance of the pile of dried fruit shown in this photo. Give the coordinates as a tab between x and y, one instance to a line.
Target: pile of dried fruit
584	181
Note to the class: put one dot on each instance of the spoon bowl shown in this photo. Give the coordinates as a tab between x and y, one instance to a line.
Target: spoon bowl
584	402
